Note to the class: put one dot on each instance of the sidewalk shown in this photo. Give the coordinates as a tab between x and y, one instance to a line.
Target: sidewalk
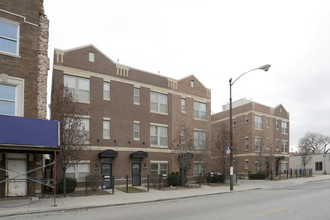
30	206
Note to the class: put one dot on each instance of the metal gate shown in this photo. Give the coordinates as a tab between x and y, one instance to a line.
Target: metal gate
136	174
106	171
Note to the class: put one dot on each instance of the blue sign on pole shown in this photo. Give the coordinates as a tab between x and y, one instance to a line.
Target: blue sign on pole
228	148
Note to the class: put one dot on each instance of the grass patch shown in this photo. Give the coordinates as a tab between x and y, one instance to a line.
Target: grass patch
130	189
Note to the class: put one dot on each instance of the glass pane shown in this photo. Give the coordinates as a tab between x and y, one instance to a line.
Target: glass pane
196	114
7	108
83	83
163	166
70	81
153	97
154	107
82	176
163	141
7	92
163	99
8	30
154	166
163	132
106	86
8	46
153	140
84	95
106	124
153	131
70	175
203	107
106	94
163	108
83	167
136	92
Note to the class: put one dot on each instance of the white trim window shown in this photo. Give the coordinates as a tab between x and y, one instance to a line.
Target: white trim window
246	143
9	37
78	86
91	57
258	122
183	105
159	168
84	128
136	131
7	99
257	166
284	127
106	90
199	139
284	166
200	110
158	103
158	136
106	129
246	164
136	96
78	171
257	144
199	168
284	146
183	136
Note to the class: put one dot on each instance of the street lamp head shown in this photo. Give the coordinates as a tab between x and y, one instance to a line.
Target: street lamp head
265	67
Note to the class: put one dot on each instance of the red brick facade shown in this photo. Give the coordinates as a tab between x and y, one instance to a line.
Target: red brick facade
122	112
26	70
254	156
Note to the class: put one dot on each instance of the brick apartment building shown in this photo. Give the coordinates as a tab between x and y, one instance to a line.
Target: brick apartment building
134	118
24	134
260	136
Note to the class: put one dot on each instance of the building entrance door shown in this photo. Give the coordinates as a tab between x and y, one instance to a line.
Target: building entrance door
18	185
136	174
106	171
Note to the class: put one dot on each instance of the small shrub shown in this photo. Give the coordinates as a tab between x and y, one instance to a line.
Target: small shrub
258	176
70	185
174	179
94	181
215	178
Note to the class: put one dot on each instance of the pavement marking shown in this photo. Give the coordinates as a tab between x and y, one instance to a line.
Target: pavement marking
270	212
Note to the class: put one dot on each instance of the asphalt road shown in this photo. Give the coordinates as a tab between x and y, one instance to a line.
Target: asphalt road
307	201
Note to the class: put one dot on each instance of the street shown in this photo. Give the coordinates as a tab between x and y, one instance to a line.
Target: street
305	201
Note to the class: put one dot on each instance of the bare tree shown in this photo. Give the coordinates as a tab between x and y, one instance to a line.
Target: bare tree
220	144
315	141
183	146
72	130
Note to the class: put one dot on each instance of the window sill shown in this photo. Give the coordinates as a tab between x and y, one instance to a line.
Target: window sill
198	119
136	103
10	54
158	146
83	102
136	139
106	99
160	113
106	138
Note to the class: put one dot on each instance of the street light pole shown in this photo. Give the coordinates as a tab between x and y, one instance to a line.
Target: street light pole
265	68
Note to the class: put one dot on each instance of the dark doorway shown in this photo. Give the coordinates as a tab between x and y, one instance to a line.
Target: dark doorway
106	175
136	174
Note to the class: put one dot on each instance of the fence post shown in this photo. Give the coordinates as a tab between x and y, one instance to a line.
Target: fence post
200	179
271	174
291	173
113	185
296	174
148	183
126	183
287	174
160	182
280	174
86	184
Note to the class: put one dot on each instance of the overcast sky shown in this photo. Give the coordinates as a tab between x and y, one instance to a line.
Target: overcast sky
215	40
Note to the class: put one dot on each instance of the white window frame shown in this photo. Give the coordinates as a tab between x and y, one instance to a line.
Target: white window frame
156	103
183	105
246	118
199	139
246	143
76	168
136	131
160	170
91	57
201	168
257	166
198	110
257	144
136	96
18	83
284	127
284	166
76	89
258	122
317	166
6	38
285	146
183	136
106	129
246	164
106	90
157	136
